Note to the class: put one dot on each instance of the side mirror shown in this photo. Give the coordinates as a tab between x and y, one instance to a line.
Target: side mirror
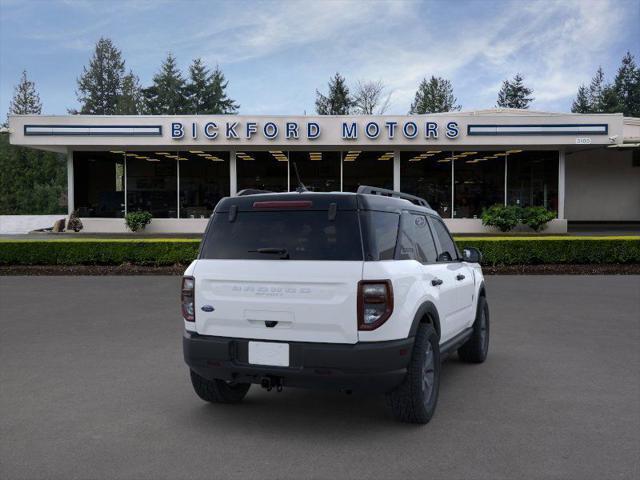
471	255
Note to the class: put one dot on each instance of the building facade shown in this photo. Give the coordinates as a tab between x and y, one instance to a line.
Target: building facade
583	167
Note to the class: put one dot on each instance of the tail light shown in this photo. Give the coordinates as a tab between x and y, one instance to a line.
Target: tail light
375	303
187	299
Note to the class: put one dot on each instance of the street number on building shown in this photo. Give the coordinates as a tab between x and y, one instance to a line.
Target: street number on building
583	141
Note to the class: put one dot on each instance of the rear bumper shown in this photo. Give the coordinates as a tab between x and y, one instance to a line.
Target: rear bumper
374	366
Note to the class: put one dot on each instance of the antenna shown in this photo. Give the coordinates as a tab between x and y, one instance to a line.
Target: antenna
301	188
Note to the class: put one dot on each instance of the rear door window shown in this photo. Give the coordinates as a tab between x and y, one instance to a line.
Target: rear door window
416	241
303	235
448	251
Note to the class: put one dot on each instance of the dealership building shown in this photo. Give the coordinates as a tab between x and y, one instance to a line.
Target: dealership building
586	168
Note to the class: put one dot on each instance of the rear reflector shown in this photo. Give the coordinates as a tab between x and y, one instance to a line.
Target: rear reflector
284	204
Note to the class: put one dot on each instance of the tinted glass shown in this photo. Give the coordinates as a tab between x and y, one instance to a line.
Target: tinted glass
447	245
381	232
204	180
262	170
366	168
319	171
152	184
305	235
427	174
99	184
532	179
417	242
479	182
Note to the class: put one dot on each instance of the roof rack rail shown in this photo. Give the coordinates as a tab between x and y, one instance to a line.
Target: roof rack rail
251	191
392	193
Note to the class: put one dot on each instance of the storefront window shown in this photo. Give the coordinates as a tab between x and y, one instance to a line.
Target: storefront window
204	180
152	183
319	171
262	170
99	184
367	168
427	174
532	178
478	182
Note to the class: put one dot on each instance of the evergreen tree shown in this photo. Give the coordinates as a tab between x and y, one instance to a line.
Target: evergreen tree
338	101
25	99
596	91
433	96
514	94
130	101
581	104
206	91
627	86
100	85
167	95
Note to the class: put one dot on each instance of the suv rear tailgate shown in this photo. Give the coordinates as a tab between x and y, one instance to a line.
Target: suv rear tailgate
284	300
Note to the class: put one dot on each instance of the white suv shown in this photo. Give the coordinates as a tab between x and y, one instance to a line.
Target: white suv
351	291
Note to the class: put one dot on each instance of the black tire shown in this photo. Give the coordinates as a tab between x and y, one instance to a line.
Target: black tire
218	391
415	400
475	349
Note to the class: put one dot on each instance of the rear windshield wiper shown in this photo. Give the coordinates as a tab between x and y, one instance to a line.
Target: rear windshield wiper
284	254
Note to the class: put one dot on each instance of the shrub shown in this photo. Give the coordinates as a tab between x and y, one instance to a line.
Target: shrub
137	220
537	217
74	223
504	218
495	251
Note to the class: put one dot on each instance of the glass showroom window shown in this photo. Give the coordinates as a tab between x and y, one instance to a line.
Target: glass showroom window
532	178
152	183
366	168
99	183
204	180
427	174
319	171
478	182
262	170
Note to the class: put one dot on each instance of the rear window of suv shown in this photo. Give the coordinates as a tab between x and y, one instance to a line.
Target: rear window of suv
303	235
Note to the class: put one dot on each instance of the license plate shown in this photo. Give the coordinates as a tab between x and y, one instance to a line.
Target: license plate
269	353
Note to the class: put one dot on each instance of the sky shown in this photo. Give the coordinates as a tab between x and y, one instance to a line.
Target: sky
275	54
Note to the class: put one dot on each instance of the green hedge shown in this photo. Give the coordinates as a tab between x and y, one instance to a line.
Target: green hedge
496	251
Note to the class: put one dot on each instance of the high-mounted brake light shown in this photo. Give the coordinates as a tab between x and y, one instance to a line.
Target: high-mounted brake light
375	303
284	204
188	299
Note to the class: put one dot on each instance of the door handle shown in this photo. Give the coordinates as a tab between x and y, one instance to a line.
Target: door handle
436	281
460	277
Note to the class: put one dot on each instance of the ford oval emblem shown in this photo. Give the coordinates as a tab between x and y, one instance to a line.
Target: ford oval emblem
207	308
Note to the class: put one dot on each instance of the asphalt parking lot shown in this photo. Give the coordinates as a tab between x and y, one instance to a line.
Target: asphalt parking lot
92	385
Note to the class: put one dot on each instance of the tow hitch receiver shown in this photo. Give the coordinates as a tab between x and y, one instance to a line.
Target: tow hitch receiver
270	382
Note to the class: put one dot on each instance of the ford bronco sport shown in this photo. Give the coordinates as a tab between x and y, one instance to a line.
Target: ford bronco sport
361	291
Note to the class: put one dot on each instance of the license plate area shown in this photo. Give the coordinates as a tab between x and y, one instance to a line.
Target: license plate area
269	353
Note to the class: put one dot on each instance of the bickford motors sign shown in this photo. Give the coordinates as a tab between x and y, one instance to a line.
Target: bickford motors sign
294	130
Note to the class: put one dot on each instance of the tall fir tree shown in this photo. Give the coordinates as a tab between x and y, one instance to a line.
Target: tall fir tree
338	100
206	92
130	101
25	99
582	103
31	181
167	94
596	91
514	94
627	86
433	96
100	85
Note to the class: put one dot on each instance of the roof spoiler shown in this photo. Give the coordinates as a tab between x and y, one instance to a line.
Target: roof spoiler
251	191
366	189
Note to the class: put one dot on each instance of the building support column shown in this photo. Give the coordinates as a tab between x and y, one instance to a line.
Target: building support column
561	182
70	183
396	170
233	177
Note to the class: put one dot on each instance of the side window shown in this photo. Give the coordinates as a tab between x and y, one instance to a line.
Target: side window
416	242
448	250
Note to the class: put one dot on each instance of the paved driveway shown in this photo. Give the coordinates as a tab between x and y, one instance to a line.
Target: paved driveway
92	385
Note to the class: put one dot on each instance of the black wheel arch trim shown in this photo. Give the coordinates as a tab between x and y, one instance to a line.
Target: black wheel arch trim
426	309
